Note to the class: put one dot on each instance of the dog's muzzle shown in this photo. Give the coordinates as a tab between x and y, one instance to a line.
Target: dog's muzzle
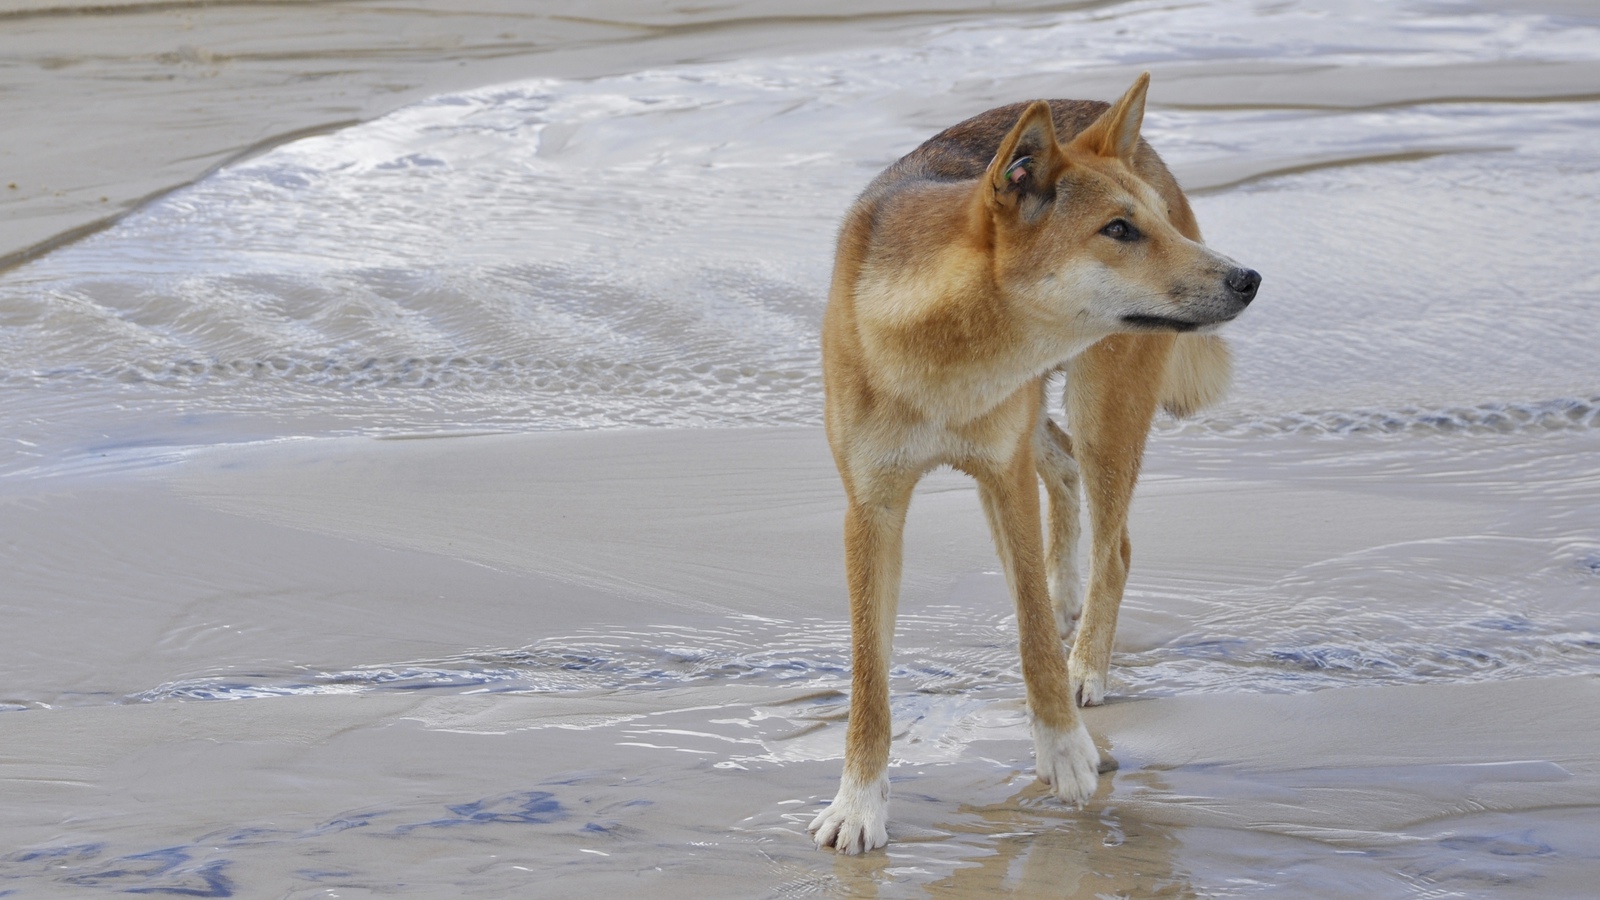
1239	288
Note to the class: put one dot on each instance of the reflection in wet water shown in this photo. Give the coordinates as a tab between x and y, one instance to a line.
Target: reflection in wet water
1037	849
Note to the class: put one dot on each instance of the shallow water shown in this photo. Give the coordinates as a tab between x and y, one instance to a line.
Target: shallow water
653	249
1416	182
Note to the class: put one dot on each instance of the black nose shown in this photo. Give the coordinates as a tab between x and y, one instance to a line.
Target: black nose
1243	283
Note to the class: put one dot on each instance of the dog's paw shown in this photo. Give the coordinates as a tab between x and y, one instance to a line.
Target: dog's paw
1067	761
1088	683
857	819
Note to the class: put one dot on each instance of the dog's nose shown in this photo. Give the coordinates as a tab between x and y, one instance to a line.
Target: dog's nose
1243	282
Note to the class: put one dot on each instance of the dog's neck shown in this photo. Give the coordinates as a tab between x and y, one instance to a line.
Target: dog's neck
949	342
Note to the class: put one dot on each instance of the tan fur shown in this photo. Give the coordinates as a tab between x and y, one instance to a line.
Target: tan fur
966	273
1197	375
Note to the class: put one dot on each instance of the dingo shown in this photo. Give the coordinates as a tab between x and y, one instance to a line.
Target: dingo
967	272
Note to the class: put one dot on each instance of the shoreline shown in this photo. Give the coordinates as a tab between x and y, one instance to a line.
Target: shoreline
179	90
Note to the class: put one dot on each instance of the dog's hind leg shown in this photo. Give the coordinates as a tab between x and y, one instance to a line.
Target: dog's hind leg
1064	755
857	819
1052	450
1111	394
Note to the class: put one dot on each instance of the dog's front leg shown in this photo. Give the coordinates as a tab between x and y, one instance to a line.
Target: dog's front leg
857	819
1064	755
1112	390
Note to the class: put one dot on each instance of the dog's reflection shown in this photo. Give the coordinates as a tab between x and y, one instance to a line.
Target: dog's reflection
1033	846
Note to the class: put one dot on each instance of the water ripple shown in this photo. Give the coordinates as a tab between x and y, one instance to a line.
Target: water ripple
1560	414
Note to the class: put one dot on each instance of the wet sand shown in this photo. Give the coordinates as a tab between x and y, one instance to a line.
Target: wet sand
249	572
501	665
112	104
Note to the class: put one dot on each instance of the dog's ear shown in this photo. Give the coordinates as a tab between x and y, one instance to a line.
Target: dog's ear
1029	161
1116	132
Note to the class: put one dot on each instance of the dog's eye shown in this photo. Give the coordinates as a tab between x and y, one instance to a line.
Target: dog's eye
1121	230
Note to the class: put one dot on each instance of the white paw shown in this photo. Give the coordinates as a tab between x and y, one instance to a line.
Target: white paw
857	819
1088	685
1066	760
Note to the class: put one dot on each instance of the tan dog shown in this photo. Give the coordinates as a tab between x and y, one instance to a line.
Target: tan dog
971	269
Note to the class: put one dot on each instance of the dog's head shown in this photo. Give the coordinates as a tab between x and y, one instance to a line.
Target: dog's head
1080	239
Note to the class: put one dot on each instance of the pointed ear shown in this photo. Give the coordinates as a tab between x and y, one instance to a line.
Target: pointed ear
1029	160
1116	132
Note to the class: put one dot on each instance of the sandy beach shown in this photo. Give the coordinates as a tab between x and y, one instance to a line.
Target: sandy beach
651	721
355	622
